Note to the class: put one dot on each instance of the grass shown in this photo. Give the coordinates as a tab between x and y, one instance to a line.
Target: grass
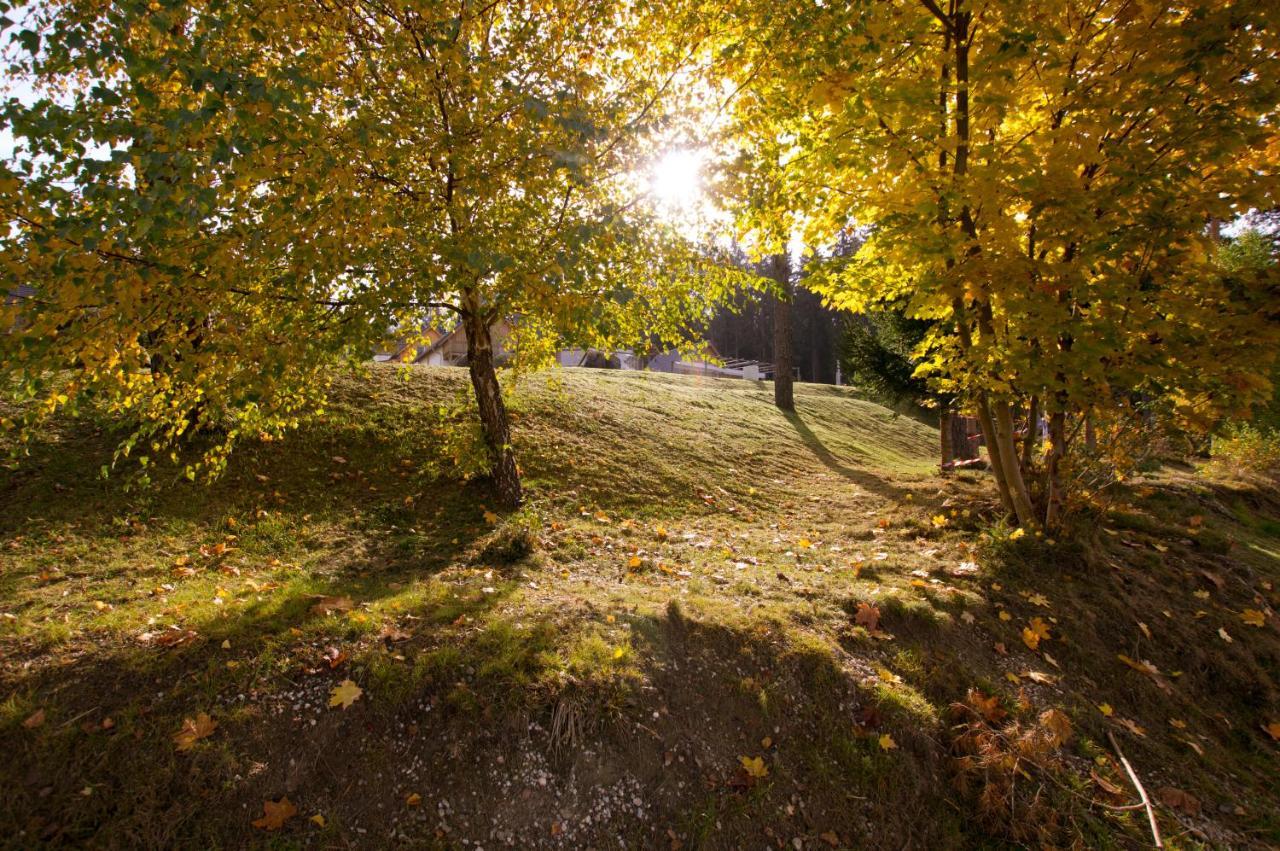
681	591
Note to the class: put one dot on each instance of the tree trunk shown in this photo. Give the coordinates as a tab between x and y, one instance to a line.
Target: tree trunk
493	412
1002	419
1090	437
783	356
1033	433
993	456
963	446
944	433
1053	468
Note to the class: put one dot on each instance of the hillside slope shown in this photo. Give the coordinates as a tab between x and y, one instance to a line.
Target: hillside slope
714	625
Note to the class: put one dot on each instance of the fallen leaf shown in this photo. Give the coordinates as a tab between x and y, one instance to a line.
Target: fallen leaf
275	814
344	694
329	605
491	518
1039	600
1178	800
887	743
35	719
1058	725
1105	709
1132	727
987	706
193	730
1106	785
1038	631
317	820
868	617
413	799
1253	617
830	838
1273	730
754	766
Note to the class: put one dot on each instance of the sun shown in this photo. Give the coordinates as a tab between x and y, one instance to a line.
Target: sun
676	180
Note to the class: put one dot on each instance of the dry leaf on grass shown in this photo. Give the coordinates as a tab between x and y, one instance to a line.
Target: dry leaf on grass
275	814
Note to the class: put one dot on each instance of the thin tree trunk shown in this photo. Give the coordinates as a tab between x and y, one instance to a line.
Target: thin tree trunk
993	455
1053	466
783	355
493	411
944	433
1090	436
1033	433
1002	419
963	447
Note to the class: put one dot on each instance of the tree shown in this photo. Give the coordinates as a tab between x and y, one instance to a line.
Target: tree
216	203
783	351
1039	179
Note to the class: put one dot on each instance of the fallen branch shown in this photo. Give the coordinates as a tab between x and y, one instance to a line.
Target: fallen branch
1142	793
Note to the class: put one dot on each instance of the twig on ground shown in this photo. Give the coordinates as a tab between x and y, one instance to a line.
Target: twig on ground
1142	793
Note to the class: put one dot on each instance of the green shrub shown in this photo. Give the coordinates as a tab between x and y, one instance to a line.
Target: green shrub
1248	449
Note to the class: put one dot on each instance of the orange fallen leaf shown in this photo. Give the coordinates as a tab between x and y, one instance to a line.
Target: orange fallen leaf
193	730
329	605
35	719
1178	800
867	617
275	814
1253	617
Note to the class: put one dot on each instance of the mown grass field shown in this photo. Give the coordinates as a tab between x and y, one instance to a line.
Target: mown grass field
713	625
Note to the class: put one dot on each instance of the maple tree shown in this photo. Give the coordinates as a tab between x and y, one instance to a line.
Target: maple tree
1037	182
214	203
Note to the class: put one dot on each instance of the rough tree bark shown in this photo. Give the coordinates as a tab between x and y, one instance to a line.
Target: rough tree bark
944	433
493	411
783	356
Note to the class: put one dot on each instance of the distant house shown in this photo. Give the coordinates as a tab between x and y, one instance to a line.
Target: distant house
444	347
408	351
449	348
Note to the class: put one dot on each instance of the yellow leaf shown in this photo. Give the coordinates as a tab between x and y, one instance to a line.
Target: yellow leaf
1038	631
887	743
193	730
635	562
344	694
940	520
1105	709
413	799
1253	617
1005	616
1017	533
317	820
805	543
491	518
754	766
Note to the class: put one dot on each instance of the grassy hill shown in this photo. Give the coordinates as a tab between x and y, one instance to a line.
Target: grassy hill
713	625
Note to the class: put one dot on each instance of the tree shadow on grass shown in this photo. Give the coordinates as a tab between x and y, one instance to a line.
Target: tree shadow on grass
861	478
